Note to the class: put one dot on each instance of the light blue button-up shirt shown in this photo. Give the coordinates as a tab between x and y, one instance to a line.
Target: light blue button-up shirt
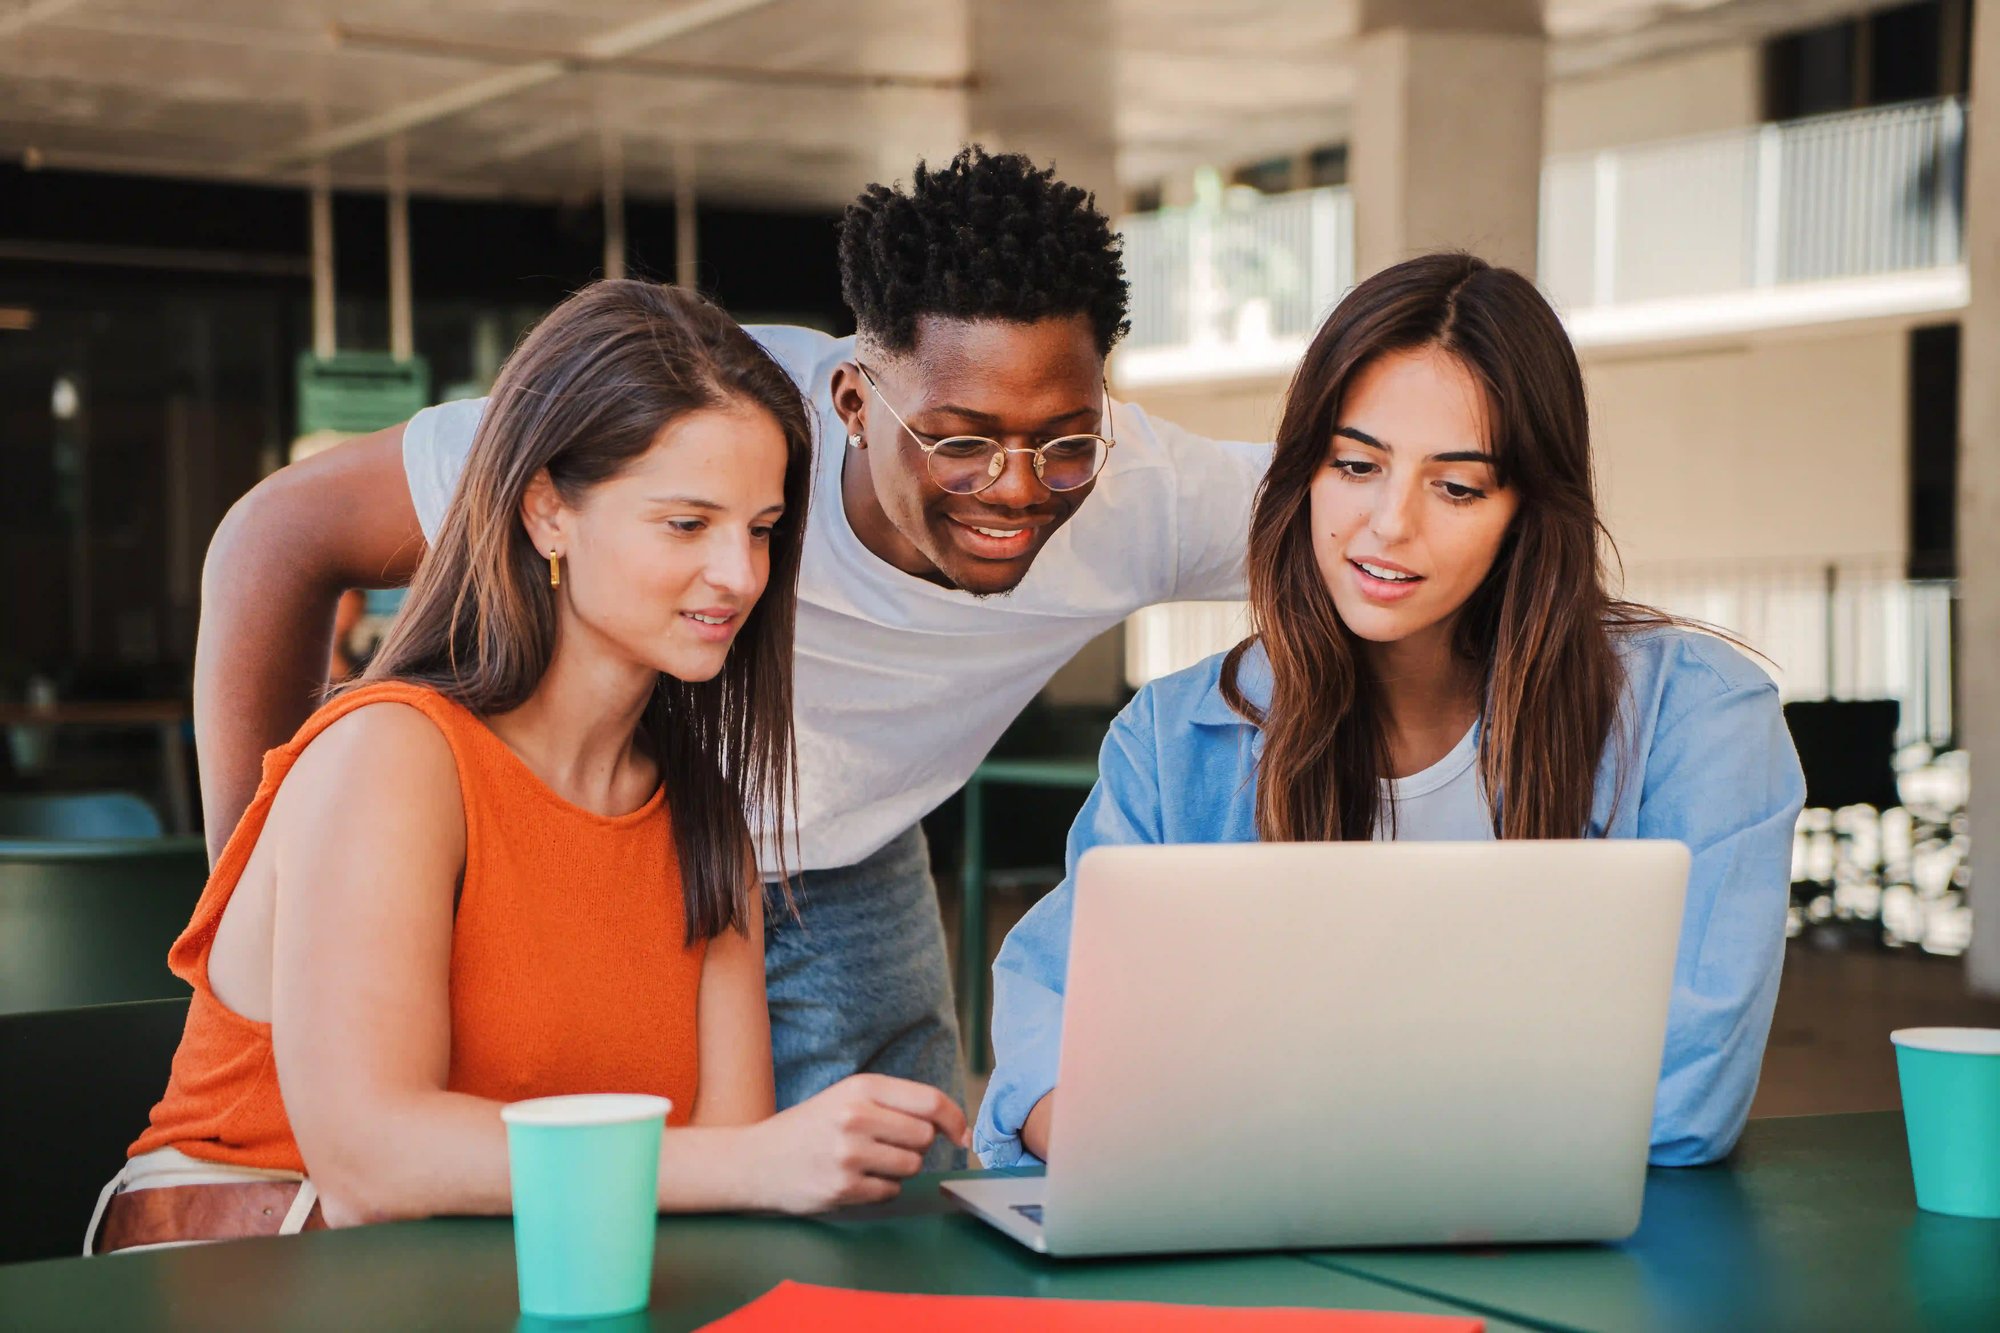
1716	770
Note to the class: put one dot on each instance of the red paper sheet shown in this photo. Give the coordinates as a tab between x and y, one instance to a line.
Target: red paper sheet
795	1305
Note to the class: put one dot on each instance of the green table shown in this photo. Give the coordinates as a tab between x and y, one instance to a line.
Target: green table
1061	773
459	1274
1812	1225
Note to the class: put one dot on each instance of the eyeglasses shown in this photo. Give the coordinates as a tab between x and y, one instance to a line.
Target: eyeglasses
968	464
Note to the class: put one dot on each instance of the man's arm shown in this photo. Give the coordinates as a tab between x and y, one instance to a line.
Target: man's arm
276	567
1213	491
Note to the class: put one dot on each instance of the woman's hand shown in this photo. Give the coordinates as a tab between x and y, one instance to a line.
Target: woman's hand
853	1143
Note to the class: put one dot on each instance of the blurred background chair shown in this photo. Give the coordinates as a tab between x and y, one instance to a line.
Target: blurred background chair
77	815
90	922
1847	749
80	1083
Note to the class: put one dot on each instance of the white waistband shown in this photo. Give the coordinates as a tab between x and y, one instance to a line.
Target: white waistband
170	1166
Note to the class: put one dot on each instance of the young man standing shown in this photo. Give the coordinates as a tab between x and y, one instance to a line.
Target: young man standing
981	510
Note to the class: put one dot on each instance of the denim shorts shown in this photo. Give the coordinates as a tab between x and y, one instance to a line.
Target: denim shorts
859	981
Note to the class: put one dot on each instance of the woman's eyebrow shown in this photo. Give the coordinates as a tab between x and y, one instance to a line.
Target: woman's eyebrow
1450	456
696	502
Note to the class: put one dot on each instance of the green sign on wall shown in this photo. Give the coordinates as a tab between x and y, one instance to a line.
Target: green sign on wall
356	392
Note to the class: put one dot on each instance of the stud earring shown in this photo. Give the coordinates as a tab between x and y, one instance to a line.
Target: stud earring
555	569
854	442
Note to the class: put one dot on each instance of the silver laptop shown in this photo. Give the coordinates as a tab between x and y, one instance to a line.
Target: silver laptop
1301	1045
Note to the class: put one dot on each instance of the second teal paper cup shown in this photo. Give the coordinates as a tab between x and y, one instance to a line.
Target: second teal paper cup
586	1174
1951	1111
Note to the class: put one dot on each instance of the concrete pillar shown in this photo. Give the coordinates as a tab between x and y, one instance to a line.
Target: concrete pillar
1447	146
1979	497
1044	84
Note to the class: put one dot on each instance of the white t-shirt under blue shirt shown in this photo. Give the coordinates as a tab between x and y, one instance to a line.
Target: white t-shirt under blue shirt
902	686
1442	803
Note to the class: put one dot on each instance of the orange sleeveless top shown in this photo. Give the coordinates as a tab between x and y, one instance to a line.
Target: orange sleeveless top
569	970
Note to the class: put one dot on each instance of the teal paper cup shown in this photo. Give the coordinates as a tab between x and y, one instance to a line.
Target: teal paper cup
586	1174
1951	1111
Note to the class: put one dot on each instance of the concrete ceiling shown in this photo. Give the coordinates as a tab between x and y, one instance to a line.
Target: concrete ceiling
784	102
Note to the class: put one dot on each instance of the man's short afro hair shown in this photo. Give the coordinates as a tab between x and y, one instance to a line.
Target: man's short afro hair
988	237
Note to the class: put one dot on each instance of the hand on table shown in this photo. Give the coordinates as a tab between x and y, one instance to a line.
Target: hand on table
853	1143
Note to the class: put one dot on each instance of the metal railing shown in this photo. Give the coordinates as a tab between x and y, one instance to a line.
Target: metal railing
1247	269
1851	195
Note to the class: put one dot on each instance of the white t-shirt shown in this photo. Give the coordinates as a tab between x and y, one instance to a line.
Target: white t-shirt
902	686
1443	803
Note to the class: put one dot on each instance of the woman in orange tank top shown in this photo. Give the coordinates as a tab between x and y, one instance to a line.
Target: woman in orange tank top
513	861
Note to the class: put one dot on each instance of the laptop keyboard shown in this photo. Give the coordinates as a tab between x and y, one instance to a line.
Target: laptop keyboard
1031	1211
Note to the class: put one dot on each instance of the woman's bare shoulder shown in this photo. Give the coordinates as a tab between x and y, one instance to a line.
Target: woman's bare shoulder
383	776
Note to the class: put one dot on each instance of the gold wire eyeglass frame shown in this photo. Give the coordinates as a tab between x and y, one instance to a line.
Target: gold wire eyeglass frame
997	452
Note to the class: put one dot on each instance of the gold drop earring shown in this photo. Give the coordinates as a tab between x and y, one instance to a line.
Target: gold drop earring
555	569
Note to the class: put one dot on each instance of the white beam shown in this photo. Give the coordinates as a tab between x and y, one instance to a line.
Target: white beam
411	115
791	79
507	83
35	11
527	143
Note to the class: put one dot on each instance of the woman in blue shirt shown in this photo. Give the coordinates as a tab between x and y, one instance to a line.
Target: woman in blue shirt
1436	656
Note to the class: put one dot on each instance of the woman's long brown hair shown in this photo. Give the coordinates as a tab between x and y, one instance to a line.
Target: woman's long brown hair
1538	629
584	395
